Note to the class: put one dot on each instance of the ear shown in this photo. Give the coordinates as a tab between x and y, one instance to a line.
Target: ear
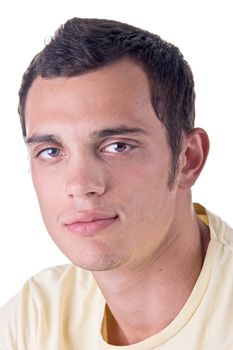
193	158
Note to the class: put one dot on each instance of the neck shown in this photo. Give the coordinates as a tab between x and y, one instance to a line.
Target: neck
141	300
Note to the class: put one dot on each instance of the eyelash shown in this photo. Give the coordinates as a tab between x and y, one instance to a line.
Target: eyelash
103	149
47	149
129	146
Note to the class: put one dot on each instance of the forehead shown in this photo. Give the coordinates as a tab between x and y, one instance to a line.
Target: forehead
118	93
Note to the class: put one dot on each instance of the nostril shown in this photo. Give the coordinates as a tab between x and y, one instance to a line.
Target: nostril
90	194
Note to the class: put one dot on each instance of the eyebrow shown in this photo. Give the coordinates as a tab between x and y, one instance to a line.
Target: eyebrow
123	130
34	139
42	138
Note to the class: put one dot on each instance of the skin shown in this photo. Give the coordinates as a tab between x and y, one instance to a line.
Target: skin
83	169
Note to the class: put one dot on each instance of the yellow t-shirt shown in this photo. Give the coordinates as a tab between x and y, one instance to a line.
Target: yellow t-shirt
62	308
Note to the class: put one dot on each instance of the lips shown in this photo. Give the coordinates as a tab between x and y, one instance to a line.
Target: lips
90	223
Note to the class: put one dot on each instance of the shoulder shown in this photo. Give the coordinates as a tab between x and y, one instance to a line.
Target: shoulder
220	231
40	305
45	291
55	277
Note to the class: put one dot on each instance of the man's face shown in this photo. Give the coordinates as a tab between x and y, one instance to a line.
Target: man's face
100	164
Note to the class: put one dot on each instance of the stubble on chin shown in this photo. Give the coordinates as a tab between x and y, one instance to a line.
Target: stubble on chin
104	263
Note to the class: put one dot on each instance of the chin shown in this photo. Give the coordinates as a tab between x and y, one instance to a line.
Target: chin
103	263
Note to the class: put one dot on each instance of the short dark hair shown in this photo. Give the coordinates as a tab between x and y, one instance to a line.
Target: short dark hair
82	45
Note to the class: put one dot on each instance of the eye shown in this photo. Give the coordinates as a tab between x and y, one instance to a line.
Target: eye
48	153
118	147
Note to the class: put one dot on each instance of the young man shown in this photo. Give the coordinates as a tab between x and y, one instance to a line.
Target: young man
107	112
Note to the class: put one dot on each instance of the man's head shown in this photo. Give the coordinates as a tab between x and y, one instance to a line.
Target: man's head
101	124
84	45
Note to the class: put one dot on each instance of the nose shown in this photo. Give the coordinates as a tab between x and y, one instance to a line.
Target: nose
84	179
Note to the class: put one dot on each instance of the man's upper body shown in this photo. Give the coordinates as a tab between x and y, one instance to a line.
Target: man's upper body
63	308
107	112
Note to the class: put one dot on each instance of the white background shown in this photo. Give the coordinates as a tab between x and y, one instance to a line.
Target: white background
201	29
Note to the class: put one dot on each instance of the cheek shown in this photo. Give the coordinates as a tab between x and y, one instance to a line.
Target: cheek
143	180
46	188
143	191
149	211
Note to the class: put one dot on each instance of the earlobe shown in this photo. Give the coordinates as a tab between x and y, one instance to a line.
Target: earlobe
193	158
